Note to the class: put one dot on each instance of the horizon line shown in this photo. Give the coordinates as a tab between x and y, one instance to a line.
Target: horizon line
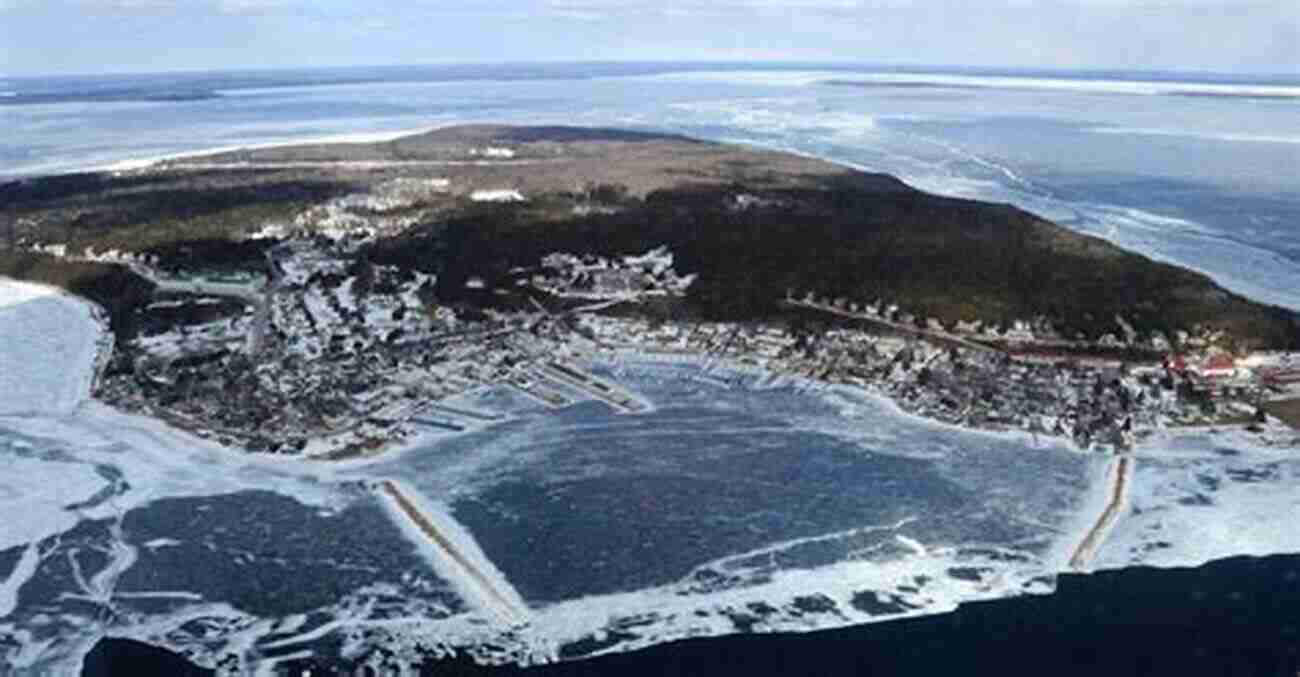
736	63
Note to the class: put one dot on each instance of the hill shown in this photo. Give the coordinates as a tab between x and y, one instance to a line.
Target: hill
753	225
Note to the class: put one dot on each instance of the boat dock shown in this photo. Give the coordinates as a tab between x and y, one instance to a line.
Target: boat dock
592	386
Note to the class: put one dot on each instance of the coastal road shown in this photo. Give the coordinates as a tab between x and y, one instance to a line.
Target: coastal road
939	336
505	604
1120	480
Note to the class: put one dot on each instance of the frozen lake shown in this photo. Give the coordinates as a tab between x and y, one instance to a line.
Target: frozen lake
732	505
735	485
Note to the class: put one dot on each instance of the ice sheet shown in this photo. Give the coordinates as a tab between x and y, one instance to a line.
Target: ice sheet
1206	496
49	344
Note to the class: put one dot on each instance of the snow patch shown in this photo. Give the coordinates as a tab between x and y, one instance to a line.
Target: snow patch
501	195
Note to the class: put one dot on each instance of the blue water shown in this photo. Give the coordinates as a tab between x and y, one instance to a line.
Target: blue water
1198	169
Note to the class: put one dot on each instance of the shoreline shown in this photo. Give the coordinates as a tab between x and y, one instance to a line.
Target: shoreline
819	388
1228	281
140	163
1231	282
147	162
619	357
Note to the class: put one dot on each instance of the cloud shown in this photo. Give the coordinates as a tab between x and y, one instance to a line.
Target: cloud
253	6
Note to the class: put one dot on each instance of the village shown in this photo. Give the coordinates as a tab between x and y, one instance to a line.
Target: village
327	355
329	358
332	358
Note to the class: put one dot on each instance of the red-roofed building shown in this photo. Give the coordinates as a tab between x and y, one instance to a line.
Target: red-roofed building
1219	365
1281	377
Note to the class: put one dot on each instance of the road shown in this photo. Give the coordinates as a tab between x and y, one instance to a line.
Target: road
1120	481
940	336
598	389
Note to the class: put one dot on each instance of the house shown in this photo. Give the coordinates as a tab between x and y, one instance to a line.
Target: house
1019	331
1216	366
1281	376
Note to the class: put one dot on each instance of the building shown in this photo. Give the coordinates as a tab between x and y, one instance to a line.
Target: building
1216	367
1281	377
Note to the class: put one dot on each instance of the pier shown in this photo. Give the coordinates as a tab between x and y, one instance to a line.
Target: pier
593	387
495	597
1120	479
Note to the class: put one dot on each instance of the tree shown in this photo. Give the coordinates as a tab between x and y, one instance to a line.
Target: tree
607	193
364	272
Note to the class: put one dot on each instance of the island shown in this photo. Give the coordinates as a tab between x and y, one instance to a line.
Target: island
326	300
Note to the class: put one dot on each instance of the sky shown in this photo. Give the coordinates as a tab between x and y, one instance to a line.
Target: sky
117	36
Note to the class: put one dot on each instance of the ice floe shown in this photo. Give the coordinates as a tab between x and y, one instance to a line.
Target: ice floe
50	342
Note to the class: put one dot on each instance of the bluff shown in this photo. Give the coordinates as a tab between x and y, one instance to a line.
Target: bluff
753	225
